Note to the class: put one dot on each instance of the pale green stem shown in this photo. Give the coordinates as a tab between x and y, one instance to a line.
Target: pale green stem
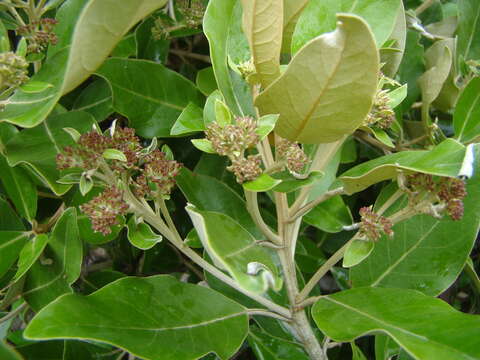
391	200
309	206
252	207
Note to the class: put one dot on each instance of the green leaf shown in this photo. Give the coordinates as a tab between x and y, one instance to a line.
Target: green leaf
9	219
189	121
219	18
466	118
29	254
379	134
427	328
292	9
443	160
33	87
222	113
65	350
425	253
82	48
193	240
233	248
468	46
60	267
205	81
209	194
11	243
20	189
357	353
73	133
397	96
351	78
126	48
38	147
7	353
357	251
148	94
96	99
261	184
265	125
209	109
148	47
114	154
392	58
147	317
263	27
319	18
85	185
204	145
289	183
141	234
267	347
330	216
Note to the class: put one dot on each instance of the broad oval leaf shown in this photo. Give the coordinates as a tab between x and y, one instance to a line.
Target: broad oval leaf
96	99
189	121
263	183
233	248
427	328
444	160
357	251
330	216
148	94
89	33
425	253
466	118
155	318
39	146
263	26
312	100
141	235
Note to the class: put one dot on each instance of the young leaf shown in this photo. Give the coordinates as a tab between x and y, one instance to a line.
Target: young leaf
148	94
319	114
204	145
357	251
82	48
141	235
147	317
233	248
222	113
114	154
263	26
466	118
189	121
265	125
85	185
29	254
444	160
205	81
261	184
330	216
289	183
425	254
427	328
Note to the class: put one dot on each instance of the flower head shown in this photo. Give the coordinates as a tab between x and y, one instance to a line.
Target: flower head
13	70
381	114
372	225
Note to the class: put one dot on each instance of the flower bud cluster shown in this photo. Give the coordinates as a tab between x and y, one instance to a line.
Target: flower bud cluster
372	225
192	11
105	209
13	70
382	114
445	191
233	140
39	34
293	154
158	176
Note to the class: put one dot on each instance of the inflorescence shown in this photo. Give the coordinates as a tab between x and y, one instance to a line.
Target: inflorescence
39	34
146	172
372	225
382	114
13	70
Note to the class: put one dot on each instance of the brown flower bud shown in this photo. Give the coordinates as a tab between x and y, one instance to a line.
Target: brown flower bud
372	225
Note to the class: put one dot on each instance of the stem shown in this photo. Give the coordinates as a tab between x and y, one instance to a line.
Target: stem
426	4
204	58
391	200
252	207
309	206
322	271
261	312
13	313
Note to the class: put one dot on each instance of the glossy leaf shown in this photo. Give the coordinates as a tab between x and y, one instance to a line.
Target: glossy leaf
11	243
82	48
170	319
425	253
189	121
263	183
267	347
466	118
427	328
263	27
289	183
351	77
319	18
38	147
444	160
96	99
468	29
148	94
29	254
233	248
330	216
20	188
141	235
357	251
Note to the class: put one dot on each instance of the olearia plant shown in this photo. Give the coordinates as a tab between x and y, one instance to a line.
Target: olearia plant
239	179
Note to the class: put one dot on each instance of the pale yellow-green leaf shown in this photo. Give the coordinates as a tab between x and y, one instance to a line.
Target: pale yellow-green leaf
292	10
263	27
329	86
392	59
102	24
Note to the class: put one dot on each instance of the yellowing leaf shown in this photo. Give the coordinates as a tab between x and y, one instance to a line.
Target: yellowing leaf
329	86
263	26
